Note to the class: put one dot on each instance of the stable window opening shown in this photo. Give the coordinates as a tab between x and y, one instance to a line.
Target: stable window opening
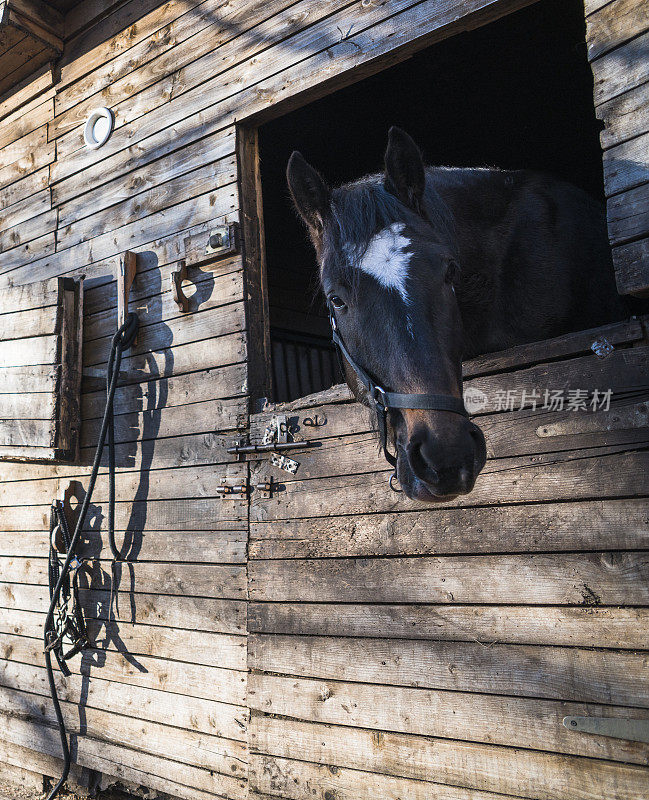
517	93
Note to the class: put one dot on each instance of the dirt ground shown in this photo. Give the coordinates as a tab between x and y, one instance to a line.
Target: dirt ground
10	791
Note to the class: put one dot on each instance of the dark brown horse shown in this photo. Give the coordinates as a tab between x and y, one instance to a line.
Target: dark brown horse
424	266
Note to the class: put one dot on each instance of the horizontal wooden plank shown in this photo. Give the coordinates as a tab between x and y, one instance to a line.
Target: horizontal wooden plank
547	478
172	611
225	386
590	525
34	86
273	777
32	433
25	254
23	324
621	69
513	771
130	766
587	626
614	24
30	296
507	435
15	755
209	178
27	119
29	185
211	27
214	147
32	156
632	267
560	673
467	716
198	580
25	209
136	639
186	483
624	116
32	228
188	243
628	217
564	579
195	680
167	360
177	421
161	515
27	406
27	379
626	165
221	756
181	711
128	25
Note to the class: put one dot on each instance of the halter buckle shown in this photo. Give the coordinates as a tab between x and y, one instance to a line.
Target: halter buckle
379	396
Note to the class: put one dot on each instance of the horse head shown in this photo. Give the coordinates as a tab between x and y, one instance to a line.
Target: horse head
388	268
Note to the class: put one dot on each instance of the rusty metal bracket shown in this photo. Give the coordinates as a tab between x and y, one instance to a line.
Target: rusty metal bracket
177	277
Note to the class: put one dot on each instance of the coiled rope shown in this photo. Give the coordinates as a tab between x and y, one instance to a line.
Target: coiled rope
62	590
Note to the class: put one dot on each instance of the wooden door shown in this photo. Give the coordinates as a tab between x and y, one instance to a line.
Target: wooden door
398	650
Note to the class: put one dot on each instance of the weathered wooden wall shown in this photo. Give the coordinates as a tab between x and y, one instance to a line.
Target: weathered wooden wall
170	711
402	651
618	48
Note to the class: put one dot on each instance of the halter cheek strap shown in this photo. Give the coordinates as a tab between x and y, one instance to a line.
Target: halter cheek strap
381	401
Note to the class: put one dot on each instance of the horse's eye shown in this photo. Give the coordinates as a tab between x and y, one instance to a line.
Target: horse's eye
337	302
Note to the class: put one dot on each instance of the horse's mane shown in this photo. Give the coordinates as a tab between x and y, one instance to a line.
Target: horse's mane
363	208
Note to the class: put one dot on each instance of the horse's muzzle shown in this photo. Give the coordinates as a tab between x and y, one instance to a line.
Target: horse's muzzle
441	460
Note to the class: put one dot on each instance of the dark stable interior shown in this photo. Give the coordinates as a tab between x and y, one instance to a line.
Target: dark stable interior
514	94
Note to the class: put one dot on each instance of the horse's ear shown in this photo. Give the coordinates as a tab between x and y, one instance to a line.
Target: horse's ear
405	175
310	193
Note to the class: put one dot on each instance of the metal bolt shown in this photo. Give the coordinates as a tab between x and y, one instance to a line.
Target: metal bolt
216	240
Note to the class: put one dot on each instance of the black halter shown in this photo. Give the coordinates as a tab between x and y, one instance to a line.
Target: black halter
381	401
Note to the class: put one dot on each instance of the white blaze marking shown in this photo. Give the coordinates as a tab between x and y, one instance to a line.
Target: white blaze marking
386	259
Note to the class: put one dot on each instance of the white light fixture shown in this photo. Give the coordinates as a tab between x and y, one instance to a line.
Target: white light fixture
99	127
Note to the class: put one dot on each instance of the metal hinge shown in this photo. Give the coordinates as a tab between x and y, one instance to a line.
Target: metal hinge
634	730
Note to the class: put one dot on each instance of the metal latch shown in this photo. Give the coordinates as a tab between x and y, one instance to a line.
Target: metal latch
237	492
266	486
634	730
275	438
242	449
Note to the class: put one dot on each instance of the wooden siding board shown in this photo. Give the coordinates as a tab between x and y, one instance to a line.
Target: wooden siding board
524	773
466	716
566	626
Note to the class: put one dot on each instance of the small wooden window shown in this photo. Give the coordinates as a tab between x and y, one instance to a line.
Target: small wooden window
40	370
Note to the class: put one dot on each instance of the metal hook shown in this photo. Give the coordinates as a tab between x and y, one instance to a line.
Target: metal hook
177	278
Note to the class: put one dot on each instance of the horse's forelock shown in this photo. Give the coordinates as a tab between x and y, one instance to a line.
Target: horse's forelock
360	210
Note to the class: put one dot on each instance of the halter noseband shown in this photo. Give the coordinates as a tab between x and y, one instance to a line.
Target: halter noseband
381	401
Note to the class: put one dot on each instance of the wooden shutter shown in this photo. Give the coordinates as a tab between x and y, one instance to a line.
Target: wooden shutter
40	370
617	34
